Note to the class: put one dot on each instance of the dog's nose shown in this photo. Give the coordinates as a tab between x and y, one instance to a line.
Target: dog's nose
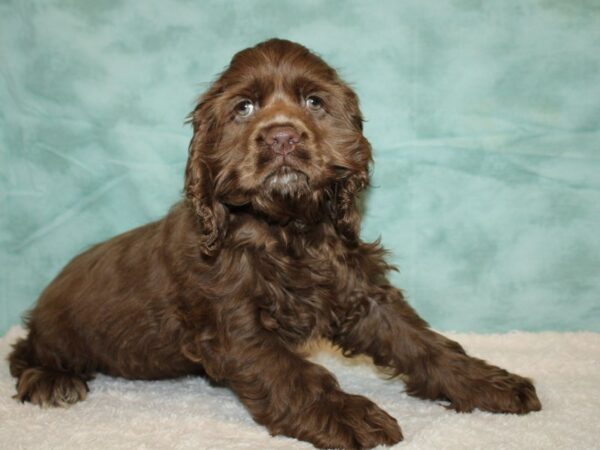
282	140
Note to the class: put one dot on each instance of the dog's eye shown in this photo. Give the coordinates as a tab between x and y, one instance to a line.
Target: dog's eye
314	103
244	108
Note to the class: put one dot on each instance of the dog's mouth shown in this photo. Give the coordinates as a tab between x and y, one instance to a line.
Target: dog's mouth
285	175
286	195
286	180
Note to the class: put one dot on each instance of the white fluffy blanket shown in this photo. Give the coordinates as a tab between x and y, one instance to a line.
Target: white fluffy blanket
189	413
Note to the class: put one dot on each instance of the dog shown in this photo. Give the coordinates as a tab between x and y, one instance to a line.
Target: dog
262	255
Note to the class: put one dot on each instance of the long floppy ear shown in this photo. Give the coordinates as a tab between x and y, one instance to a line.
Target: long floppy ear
199	185
345	210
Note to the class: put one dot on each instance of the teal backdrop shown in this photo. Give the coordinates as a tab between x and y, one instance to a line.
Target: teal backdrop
484	117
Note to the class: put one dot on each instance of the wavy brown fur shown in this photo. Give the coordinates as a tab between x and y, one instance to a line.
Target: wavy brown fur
262	255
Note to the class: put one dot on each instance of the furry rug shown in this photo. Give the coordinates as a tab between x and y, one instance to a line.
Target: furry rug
189	413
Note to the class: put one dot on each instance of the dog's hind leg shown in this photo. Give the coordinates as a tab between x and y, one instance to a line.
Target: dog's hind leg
43	385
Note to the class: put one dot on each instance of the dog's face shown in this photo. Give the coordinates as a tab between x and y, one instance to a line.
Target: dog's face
281	132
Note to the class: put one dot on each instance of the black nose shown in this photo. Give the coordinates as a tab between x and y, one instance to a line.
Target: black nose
282	139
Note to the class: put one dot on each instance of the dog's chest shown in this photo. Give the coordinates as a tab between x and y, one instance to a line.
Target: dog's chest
295	292
294	279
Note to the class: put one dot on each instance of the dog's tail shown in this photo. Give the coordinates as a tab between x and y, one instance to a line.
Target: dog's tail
41	385
21	358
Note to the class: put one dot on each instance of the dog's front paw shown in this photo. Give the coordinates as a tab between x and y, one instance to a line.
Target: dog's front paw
500	392
354	422
510	394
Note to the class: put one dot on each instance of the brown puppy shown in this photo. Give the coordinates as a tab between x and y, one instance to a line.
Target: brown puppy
262	255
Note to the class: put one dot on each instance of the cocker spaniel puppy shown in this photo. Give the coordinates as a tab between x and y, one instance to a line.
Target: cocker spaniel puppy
262	255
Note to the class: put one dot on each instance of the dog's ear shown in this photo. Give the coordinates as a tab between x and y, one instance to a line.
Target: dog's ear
344	203
345	211
199	180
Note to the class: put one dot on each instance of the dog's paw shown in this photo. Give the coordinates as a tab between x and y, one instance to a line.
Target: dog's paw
355	422
501	392
46	387
511	394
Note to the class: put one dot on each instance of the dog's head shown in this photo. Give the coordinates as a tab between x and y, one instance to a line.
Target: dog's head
280	132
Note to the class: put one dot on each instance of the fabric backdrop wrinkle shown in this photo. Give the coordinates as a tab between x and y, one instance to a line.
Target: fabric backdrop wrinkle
484	119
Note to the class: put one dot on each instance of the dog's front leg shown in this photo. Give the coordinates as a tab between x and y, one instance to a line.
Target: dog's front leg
380	323
285	392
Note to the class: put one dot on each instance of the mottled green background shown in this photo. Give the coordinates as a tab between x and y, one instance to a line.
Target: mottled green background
484	117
